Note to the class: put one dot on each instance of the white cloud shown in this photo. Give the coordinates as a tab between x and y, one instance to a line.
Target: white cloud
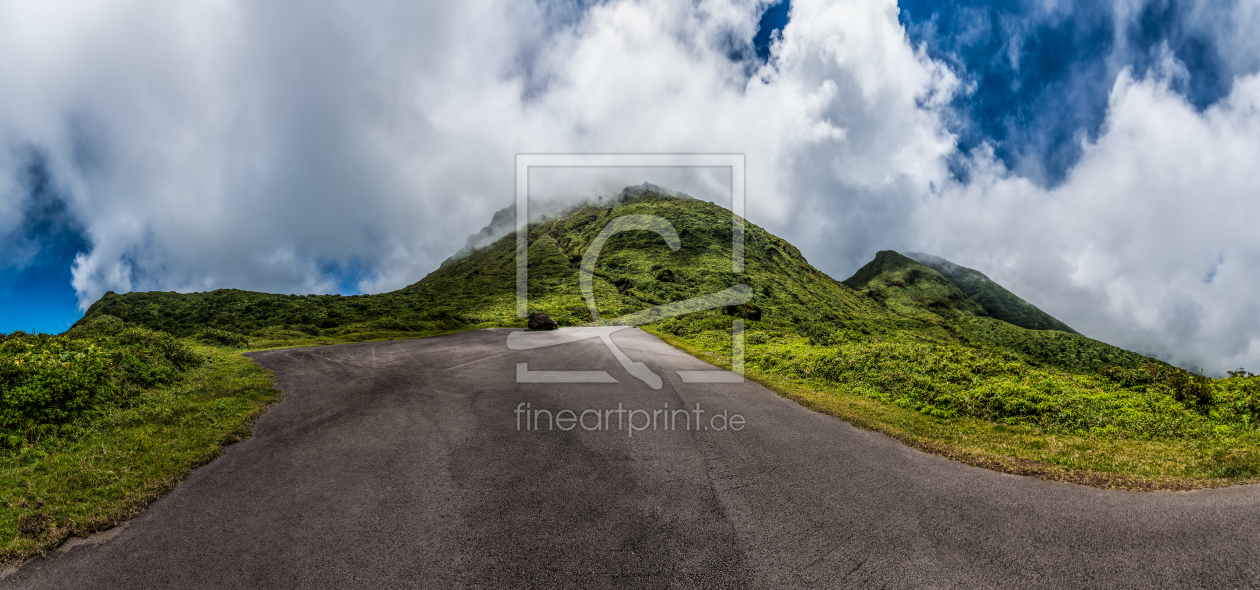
220	143
1150	243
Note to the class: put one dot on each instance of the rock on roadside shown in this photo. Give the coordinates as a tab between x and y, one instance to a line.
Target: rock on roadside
542	321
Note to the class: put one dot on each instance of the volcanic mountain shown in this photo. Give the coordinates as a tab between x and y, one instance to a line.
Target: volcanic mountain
920	297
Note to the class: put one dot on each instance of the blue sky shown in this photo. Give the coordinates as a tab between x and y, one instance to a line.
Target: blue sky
35	285
1094	157
1042	78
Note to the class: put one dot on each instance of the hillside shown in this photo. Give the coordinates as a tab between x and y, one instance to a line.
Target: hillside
996	301
635	271
892	297
981	313
911	288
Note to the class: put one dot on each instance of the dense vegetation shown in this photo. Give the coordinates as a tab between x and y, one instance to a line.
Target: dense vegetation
909	288
50	383
1142	401
996	301
227	316
99	421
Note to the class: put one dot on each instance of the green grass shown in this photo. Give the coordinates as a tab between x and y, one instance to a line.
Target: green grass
996	301
94	473
231	316
140	423
1127	429
911	289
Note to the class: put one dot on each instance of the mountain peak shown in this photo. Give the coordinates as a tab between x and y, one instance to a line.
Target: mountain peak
504	220
916	282
911	288
994	298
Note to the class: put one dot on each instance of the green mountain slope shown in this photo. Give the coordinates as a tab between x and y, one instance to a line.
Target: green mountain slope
913	290
893	297
636	270
996	301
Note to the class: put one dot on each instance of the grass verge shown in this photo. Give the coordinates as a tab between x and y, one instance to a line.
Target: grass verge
1098	461
103	471
109	470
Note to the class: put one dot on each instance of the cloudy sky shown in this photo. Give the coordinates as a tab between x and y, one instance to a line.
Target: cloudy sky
1101	159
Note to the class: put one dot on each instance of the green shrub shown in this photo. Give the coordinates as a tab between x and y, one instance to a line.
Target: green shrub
391	323
52	380
948	380
819	334
1183	385
223	338
47	381
97	327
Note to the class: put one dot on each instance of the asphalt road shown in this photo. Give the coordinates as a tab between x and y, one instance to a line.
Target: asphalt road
406	464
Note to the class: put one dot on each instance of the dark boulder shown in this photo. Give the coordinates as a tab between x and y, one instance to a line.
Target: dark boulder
542	321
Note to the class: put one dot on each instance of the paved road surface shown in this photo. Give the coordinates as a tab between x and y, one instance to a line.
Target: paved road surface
400	464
